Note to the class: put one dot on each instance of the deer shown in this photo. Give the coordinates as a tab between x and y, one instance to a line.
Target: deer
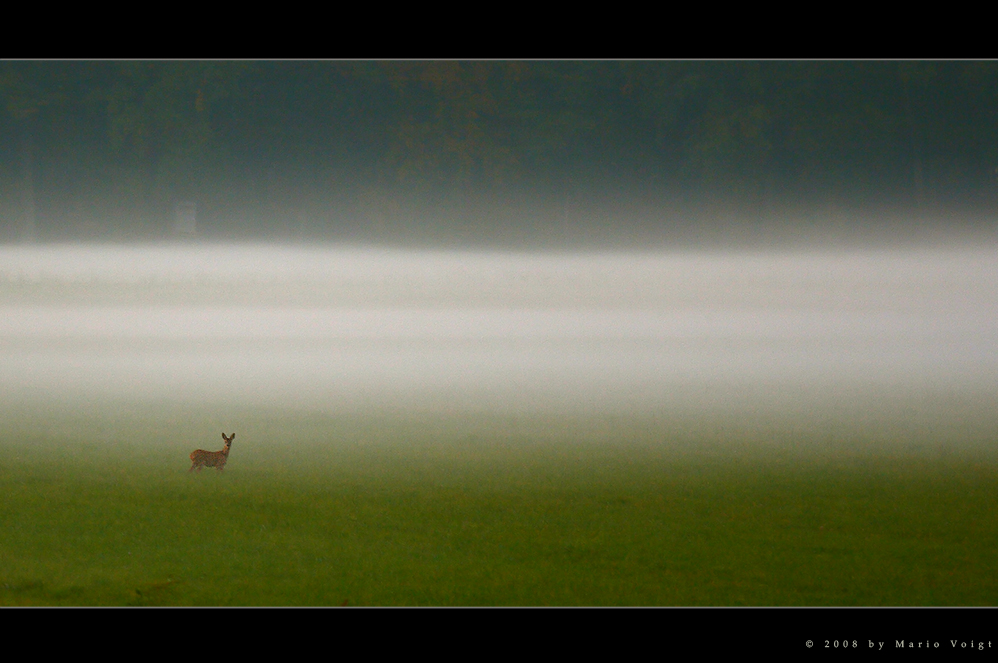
201	458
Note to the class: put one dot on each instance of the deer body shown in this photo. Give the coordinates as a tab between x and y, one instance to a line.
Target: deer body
201	458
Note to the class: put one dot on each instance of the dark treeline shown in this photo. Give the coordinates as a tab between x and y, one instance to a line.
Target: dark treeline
487	150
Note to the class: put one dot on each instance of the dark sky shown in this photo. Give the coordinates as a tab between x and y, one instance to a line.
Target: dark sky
491	152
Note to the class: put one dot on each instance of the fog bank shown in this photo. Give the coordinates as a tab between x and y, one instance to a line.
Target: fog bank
896	338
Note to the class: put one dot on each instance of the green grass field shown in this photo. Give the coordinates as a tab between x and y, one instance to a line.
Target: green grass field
380	510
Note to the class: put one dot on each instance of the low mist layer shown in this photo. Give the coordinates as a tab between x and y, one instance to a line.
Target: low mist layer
890	340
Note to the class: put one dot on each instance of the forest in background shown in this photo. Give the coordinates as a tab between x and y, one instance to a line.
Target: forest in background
492	151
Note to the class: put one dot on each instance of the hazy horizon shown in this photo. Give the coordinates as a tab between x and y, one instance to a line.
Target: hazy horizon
887	340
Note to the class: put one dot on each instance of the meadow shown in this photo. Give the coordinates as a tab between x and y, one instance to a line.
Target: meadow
435	428
387	509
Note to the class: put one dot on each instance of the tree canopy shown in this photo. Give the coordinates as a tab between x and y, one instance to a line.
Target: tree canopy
116	143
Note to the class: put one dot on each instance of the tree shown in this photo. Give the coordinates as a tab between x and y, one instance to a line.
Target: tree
159	118
27	88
